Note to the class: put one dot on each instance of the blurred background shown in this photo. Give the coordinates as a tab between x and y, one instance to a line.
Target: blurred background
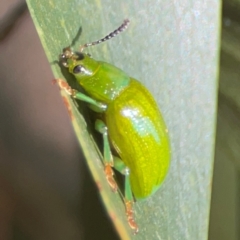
225	205
46	191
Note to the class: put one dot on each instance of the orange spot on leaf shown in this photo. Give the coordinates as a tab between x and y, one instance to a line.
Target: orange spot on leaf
113	216
99	186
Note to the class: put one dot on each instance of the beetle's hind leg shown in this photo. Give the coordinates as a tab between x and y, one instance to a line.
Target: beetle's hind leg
120	166
107	155
109	162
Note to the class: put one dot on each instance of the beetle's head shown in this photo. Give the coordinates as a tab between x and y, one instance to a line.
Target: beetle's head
78	63
81	64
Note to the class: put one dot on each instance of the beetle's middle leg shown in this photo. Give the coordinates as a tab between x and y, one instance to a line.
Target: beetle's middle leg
107	155
118	164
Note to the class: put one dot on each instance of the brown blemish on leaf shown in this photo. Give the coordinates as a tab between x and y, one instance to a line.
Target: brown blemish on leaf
99	186
112	216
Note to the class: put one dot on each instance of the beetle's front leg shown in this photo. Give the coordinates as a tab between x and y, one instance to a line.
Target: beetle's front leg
107	155
95	105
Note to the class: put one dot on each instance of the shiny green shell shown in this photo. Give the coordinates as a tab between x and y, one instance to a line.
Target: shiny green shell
135	125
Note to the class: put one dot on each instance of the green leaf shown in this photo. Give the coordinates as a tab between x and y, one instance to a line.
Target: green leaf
171	47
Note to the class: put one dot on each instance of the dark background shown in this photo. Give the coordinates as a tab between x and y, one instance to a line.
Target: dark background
46	191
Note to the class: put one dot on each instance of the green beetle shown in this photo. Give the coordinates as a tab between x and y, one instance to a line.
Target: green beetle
131	122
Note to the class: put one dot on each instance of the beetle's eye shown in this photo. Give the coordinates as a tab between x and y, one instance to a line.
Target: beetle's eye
78	69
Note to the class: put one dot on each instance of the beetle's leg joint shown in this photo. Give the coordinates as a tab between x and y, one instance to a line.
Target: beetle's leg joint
102	106
126	171
73	93
104	131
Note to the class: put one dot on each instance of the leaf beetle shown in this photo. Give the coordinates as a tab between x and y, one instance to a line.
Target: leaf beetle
131	123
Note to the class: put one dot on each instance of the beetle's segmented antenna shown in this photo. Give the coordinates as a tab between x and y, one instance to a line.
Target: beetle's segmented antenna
109	36
76	37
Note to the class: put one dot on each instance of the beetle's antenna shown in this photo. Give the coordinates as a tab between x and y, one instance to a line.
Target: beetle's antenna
76	37
109	36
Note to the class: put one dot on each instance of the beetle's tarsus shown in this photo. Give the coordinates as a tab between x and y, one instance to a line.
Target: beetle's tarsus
65	86
130	216
109	175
